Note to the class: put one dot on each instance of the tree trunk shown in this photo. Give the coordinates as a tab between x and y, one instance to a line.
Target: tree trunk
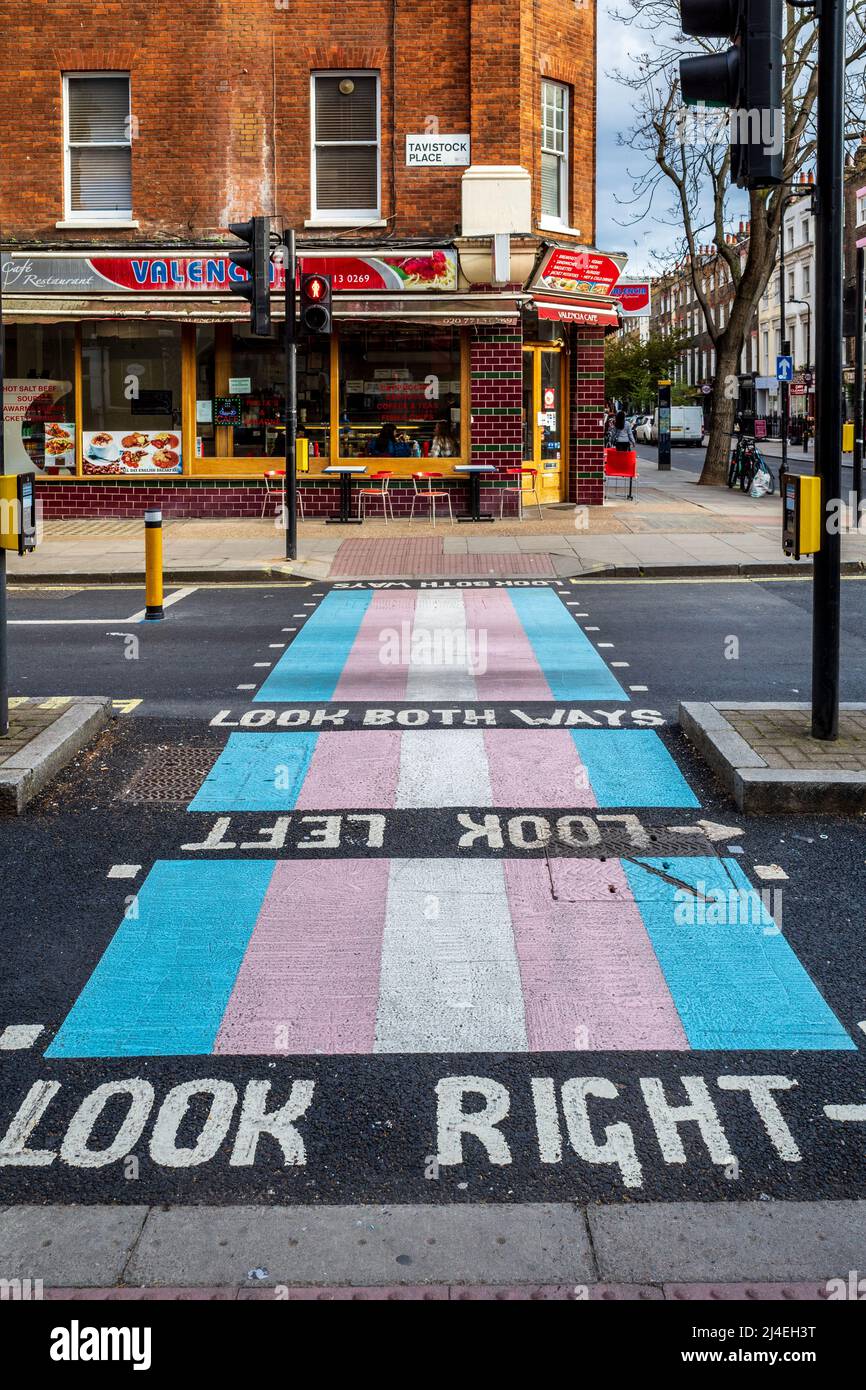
715	469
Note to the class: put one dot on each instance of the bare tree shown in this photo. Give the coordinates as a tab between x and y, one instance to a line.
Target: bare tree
684	172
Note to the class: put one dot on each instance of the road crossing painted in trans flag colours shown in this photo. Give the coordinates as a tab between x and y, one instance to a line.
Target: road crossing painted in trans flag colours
393	953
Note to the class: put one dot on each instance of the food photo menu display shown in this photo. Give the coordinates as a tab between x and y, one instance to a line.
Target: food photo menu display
131	451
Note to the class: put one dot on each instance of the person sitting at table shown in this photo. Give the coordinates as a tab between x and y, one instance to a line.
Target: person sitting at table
444	445
385	442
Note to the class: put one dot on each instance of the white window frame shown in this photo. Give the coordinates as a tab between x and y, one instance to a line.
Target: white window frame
84	217
345	217
860	209
547	219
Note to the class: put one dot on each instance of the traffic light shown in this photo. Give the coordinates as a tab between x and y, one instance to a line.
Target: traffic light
747	78
256	261
316	303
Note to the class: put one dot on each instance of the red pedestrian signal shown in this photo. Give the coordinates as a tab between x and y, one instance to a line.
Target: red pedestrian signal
316	303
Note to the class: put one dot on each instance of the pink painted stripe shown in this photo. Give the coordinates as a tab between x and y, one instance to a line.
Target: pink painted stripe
512	671
590	976
358	770
536	767
369	674
309	982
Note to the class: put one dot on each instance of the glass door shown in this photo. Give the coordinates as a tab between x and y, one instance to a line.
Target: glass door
543	416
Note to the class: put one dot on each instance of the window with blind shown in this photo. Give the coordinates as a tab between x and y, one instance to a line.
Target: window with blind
98	146
554	151
345	172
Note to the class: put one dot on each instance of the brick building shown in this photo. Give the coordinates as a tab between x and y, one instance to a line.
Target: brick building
675	307
438	163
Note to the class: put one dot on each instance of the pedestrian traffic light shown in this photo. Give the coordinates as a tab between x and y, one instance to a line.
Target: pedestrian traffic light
316	303
746	78
256	261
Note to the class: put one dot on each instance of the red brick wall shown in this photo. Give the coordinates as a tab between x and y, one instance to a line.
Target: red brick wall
586	441
207	78
231	500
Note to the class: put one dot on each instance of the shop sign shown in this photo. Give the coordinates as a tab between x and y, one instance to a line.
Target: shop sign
550	398
130	451
240	385
437	150
633	297
563	312
204	273
584	271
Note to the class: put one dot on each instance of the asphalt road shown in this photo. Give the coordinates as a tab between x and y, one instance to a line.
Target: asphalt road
692	460
295	1101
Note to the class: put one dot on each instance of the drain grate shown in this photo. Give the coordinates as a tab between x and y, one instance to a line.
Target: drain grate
170	774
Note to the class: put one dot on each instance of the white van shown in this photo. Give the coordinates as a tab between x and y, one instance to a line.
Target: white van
687	425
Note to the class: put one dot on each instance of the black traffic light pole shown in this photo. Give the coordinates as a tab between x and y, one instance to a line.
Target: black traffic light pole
826	595
4	630
858	376
290	481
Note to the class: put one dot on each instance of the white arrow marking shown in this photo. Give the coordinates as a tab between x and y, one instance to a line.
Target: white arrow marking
846	1112
710	828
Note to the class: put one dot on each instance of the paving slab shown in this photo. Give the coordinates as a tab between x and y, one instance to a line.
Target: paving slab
69	1245
687	1242
366	1245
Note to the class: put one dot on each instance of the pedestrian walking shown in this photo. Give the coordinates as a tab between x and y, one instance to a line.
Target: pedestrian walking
623	435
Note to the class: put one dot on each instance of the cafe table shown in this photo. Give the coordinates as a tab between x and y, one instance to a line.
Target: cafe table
475	471
346	472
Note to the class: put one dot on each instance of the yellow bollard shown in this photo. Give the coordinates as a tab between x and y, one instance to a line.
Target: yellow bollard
153	564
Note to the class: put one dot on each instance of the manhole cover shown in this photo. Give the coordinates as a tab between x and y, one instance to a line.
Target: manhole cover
170	774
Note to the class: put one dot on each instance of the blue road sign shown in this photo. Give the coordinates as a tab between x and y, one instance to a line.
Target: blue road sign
784	368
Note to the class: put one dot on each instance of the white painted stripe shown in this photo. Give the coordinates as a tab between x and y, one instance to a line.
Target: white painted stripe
67	622
450	980
619	664
639	688
440	650
278	645
603	644
262	663
123	871
246	687
443	771
592	629
166	603
18	1036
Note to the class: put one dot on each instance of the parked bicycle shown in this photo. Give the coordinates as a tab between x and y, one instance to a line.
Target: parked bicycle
746	462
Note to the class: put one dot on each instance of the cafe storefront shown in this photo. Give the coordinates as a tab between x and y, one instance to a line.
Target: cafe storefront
132	379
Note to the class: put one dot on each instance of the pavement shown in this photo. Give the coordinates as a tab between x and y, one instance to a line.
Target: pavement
674	527
393	938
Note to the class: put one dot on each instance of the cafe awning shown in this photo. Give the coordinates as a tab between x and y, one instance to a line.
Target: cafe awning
579	311
437	310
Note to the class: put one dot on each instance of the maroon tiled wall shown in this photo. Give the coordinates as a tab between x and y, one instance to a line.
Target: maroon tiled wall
230	499
586	441
496	386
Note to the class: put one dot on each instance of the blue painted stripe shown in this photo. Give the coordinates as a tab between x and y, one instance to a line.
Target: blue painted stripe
162	986
312	665
572	667
631	767
257	772
737	984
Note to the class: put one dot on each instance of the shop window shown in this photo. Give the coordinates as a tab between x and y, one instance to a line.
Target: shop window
554	151
240	395
400	393
345	146
98	146
131	397
38	398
